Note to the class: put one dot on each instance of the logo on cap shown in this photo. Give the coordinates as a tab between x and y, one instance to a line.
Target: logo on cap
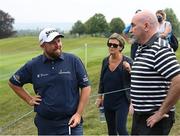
51	31
48	34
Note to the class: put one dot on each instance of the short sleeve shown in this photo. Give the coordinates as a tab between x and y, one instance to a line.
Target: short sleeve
166	63
82	76
22	76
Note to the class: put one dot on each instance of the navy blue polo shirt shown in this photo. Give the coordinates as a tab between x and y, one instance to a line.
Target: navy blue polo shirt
56	81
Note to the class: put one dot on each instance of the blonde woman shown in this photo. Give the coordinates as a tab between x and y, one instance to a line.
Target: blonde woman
115	83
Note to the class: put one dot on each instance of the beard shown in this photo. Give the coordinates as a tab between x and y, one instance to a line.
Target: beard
133	39
54	54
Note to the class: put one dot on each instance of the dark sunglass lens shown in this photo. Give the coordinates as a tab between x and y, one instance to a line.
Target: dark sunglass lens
112	45
115	45
109	45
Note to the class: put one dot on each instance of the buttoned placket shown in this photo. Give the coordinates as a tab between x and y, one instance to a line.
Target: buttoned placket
52	62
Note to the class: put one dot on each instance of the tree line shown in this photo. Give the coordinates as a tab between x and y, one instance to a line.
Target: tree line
95	25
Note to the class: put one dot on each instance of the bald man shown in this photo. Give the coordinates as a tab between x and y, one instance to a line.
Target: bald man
155	79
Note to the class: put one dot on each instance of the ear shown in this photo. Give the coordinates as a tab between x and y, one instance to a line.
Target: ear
146	26
42	45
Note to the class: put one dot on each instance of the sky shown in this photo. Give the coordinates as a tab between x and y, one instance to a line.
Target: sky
37	11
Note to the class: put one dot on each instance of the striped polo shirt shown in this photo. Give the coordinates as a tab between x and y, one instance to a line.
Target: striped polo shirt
154	66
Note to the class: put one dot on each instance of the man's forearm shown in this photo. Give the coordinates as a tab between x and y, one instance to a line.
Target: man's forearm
20	92
172	96
85	92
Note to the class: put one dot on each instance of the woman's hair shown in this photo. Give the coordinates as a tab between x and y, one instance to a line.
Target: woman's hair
119	38
162	13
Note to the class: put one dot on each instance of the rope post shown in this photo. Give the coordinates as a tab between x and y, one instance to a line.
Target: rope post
85	55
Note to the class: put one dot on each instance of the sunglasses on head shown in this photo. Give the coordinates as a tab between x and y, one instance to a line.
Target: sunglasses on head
112	45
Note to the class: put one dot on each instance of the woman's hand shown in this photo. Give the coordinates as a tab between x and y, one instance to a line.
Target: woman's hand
99	102
127	66
131	109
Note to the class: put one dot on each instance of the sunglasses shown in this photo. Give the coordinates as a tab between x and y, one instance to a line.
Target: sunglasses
112	45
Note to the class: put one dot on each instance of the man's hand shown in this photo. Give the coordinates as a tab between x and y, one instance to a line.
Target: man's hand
152	120
75	120
35	100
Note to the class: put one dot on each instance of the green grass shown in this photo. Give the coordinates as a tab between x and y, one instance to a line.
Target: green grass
14	52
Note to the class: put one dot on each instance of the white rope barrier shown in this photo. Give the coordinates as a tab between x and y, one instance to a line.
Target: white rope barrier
15	121
96	95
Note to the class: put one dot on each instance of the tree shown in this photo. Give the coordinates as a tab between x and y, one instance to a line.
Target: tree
171	17
6	25
97	24
78	28
116	25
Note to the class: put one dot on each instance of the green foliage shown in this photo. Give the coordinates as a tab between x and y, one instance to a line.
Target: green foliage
116	25
78	28
6	25
171	16
97	24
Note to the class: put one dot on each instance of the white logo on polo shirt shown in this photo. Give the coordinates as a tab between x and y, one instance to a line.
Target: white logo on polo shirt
17	78
42	75
64	72
85	79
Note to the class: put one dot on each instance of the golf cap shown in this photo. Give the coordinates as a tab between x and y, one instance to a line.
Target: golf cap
48	34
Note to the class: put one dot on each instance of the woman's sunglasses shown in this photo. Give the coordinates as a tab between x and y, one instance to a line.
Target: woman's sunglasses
112	45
